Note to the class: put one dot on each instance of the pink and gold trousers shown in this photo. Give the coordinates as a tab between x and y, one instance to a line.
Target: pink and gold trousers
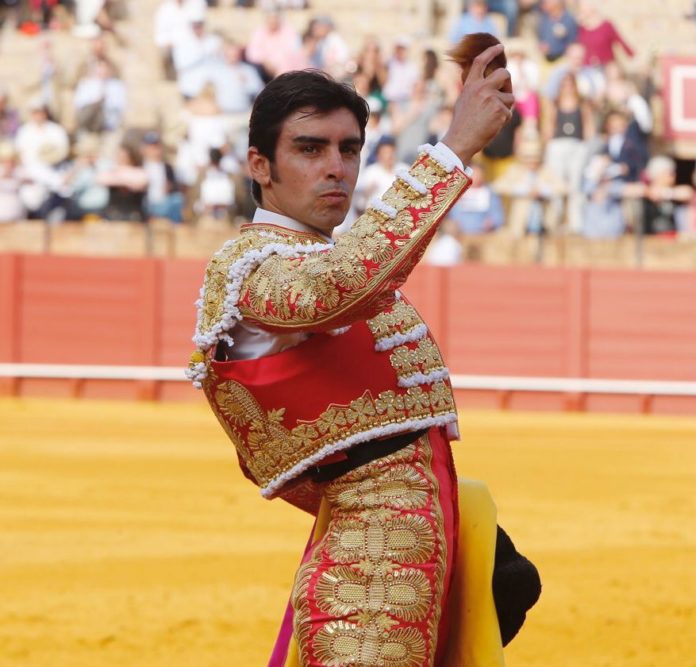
395	575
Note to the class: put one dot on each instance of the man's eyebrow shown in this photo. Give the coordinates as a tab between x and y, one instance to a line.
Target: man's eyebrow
311	140
323	141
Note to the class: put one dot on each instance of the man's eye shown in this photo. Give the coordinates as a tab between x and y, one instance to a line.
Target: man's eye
309	150
351	150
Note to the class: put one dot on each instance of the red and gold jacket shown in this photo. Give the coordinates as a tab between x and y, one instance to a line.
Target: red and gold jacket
370	367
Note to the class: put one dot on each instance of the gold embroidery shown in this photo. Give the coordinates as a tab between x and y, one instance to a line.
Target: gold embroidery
402	317
364	575
340	643
397	487
269	448
311	291
424	358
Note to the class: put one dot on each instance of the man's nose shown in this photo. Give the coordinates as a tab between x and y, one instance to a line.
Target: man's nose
335	167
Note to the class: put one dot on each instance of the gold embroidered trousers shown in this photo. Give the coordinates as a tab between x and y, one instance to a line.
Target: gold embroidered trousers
372	590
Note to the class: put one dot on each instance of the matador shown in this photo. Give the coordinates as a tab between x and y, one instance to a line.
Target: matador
335	395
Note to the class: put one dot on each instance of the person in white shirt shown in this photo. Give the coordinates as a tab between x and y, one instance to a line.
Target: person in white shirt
100	99
402	74
196	58
40	138
173	25
376	178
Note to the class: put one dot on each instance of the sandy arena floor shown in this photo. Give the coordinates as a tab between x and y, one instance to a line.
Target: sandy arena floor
130	538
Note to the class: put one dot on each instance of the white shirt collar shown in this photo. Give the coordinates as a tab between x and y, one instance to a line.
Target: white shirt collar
269	217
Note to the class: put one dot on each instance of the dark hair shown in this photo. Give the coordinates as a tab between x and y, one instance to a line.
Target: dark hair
292	91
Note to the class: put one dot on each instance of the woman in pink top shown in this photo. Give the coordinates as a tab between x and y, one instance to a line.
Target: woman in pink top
598	36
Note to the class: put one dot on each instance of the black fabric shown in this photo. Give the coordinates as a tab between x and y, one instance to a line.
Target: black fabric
516	586
364	453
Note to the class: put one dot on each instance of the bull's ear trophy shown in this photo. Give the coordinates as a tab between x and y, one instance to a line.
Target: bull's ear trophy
464	53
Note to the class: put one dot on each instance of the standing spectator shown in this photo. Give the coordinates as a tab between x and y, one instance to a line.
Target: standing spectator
98	50
402	74
598	36
196	58
163	198
100	100
569	127
479	210
591	80
9	117
474	19
557	29
173	25
606	190
127	183
273	45
11	206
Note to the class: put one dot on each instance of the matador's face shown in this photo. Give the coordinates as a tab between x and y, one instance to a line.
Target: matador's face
316	166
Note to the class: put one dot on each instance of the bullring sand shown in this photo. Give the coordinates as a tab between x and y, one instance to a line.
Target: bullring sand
129	538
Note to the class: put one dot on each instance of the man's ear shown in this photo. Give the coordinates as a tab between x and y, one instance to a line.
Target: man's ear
259	166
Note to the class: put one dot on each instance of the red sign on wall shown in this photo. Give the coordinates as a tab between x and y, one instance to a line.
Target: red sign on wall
679	93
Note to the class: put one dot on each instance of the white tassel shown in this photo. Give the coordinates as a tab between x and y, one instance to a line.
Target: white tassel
424	378
412	181
390	342
378	205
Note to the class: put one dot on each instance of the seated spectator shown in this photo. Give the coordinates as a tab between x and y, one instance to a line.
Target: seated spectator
370	64
173	21
216	190
445	249
665	204
510	9
206	126
9	117
557	29
626	148
598	36
498	155
402	75
331	53
11	205
85	196
479	210
376	179
237	84
100	100
163	198
605	188
196	59
525	76
531	187
273	45
40	138
411	121
98	51
474	19
127	183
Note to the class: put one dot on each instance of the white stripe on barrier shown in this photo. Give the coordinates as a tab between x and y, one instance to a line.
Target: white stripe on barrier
484	382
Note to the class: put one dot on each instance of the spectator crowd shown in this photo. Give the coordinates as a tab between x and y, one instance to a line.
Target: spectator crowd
579	156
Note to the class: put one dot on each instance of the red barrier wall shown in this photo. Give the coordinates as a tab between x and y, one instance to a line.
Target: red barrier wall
522	321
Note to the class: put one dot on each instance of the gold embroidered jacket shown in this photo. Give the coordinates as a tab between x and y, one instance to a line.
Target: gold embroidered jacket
283	280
